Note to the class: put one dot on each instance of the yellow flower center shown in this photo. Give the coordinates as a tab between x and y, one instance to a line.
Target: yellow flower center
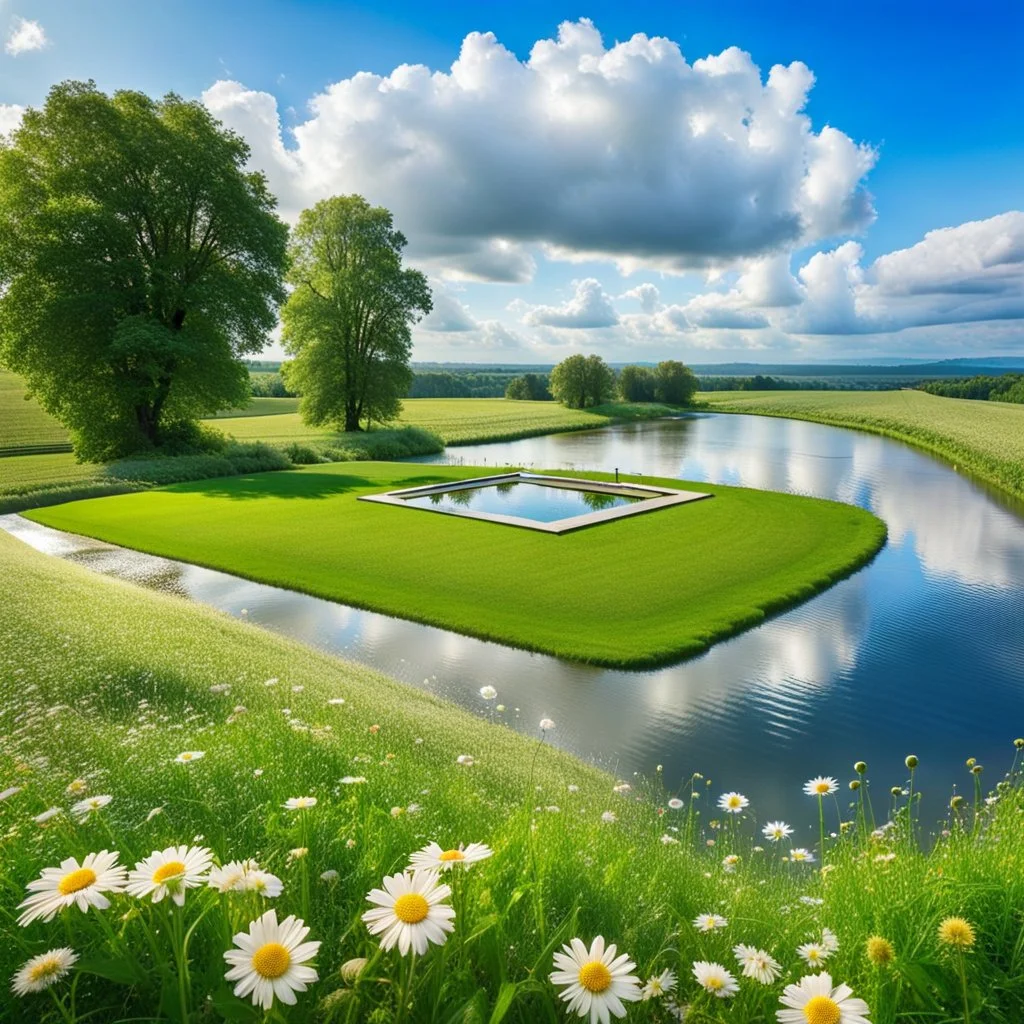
271	960
76	881
822	787
955	931
172	869
452	855
822	1010
813	955
411	908
46	969
595	977
714	983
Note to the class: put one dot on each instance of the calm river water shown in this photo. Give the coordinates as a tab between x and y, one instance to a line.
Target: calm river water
920	652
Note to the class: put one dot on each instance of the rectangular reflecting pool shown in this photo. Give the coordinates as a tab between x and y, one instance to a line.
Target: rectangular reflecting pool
547	503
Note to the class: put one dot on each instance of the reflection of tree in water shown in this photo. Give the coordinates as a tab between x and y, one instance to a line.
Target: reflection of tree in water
464	497
598	500
505	488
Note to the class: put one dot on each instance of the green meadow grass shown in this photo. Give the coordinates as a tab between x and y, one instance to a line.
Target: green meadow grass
984	438
102	687
22	422
700	571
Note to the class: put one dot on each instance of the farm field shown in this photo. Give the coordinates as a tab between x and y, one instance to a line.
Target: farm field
129	680
985	438
23	424
701	571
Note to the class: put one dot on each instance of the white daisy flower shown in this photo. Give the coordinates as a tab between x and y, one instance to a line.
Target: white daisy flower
353	780
757	963
271	960
801	856
714	978
488	692
732	803
595	981
409	912
823	785
675	804
73	883
546	725
336	701
667	840
659	985
299	803
829	940
709	922
730	862
814	954
609	817
465	759
9	792
776	830
188	756
679	1011
50	812
814	999
42	971
263	882
433	858
170	872
244	876
85	807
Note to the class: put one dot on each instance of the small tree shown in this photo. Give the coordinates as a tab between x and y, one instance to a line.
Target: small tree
139	261
580	381
348	321
528	387
674	383
637	384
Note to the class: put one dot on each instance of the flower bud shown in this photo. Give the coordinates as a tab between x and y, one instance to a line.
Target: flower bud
911	761
854	784
956	802
351	969
860	767
976	769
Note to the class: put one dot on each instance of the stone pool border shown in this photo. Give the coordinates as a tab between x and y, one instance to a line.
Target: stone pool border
661	497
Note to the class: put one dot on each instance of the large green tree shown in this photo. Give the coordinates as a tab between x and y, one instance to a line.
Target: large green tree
139	261
348	321
674	382
579	381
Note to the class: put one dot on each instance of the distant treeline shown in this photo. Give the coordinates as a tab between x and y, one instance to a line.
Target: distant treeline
1009	387
461	383
762	382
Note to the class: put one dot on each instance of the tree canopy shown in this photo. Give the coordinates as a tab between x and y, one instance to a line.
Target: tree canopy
139	261
579	381
528	387
348	321
674	383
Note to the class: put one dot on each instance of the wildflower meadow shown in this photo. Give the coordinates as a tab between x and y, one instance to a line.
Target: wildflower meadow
204	822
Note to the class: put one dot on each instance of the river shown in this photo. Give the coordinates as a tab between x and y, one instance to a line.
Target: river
920	652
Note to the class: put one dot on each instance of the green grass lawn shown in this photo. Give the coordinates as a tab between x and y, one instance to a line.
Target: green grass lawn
699	571
103	684
22	422
983	438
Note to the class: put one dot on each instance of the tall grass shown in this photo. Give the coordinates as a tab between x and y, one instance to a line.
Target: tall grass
109	684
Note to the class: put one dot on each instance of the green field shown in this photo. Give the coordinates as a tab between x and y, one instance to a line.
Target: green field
983	438
23	424
126	679
700	571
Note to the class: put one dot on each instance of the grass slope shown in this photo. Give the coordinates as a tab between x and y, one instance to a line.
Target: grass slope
984	438
699	571
23	424
103	684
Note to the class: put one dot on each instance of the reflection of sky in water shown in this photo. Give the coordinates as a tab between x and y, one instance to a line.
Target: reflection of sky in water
921	651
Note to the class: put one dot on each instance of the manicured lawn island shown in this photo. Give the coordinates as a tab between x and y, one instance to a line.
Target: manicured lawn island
640	591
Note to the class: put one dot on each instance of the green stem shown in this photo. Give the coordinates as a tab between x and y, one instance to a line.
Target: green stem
963	987
406	991
821	826
62	1009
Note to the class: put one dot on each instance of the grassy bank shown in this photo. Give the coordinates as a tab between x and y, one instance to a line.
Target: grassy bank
985	439
700	571
128	679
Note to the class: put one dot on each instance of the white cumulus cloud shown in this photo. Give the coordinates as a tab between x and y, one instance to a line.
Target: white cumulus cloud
590	306
625	152
24	36
10	117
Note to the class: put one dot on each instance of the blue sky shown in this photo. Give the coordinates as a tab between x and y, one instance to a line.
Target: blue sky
934	90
